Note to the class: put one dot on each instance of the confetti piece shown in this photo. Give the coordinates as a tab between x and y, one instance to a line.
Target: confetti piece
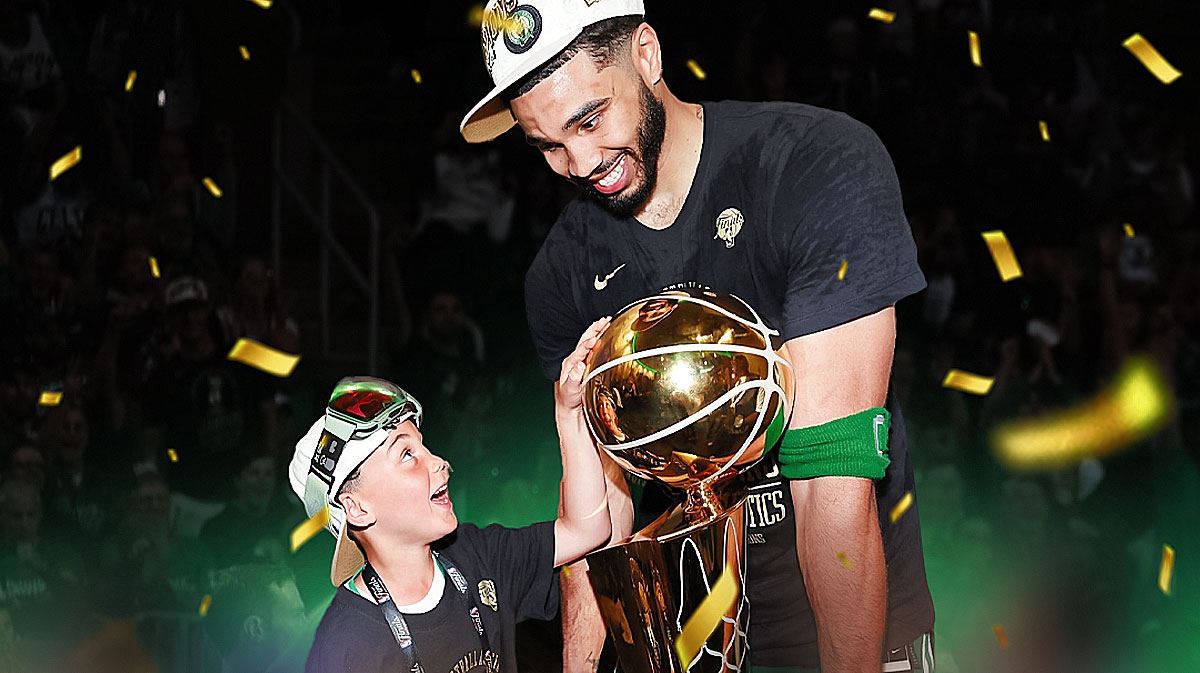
130	80
968	382
204	604
1002	255
881	15
841	556
1132	408
305	531
271	361
212	187
416	75
1128	229
265	4
842	269
1000	635
1150	58
173	455
154	268
973	37
902	507
244	52
707	617
1045	131
1166	569
696	69
566	571
66	162
50	398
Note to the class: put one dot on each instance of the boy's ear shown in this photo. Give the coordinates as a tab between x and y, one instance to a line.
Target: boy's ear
358	511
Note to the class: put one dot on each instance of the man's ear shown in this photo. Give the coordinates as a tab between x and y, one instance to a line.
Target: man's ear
252	629
646	54
358	511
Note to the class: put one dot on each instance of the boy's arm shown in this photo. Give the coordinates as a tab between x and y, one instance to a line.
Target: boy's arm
583	522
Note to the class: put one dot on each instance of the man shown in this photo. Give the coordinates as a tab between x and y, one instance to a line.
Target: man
766	201
417	590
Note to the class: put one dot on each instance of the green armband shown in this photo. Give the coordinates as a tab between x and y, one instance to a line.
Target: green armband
854	446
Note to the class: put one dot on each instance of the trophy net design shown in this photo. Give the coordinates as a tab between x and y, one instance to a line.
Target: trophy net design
685	388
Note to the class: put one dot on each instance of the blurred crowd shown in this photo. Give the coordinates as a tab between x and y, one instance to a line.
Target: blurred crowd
154	489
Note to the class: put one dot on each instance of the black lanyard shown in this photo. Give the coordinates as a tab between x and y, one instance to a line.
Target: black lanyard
399	627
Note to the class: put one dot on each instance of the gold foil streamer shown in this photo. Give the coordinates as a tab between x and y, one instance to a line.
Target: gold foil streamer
212	187
1045	130
973	38
1149	56
881	15
265	4
968	382
841	556
154	268
1128	229
697	71
272	361
416	75
901	507
313	525
707	617
66	162
842	269
173	455
1002	255
1132	408
129	80
1166	569
244	52
207	601
50	398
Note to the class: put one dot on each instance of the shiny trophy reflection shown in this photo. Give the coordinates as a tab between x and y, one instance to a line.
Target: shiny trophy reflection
685	388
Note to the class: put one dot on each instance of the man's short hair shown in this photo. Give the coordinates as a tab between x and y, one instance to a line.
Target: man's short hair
603	41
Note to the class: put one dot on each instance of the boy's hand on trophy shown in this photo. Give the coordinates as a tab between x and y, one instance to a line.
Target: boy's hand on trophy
568	392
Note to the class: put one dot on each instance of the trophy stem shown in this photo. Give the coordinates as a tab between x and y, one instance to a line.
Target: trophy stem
648	585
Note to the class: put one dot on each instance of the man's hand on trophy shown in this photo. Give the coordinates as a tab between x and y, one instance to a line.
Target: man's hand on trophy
568	392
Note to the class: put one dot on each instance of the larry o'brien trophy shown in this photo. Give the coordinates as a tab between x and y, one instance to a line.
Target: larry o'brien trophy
685	388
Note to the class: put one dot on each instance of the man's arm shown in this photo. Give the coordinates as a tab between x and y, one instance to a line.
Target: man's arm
841	371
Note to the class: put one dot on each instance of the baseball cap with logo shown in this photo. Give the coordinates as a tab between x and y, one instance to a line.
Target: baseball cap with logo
361	412
518	37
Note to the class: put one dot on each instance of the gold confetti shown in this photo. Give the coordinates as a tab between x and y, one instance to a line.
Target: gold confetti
1002	255
707	617
1128	229
881	15
416	75
973	38
1132	408
50	398
842	269
305	531
696	69
207	601
66	162
841	556
1045	131
154	268
244	52
265	4
212	187
1149	56
1166	569
269	360
173	455
566	571
902	507
1001	635
968	382
130	80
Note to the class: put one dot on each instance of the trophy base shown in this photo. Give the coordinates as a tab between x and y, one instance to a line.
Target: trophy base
648	585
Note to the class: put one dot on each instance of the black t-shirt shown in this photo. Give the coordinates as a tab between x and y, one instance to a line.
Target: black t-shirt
353	636
783	193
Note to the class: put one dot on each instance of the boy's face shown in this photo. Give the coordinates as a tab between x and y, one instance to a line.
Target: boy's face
405	487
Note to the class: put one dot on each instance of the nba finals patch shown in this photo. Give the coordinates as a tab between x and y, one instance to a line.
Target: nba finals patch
487	594
729	223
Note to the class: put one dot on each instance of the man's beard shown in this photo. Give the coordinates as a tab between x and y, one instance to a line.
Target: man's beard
651	129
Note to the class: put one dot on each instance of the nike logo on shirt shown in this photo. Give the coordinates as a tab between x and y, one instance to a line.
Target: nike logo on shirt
601	284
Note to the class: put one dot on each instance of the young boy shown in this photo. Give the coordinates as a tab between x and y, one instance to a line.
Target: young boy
418	591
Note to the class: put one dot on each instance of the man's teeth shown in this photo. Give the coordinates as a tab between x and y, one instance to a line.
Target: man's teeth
614	175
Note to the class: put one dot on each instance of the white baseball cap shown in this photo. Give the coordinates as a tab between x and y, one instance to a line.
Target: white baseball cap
360	414
519	38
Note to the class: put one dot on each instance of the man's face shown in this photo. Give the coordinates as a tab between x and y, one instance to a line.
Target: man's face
602	130
22	516
405	487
